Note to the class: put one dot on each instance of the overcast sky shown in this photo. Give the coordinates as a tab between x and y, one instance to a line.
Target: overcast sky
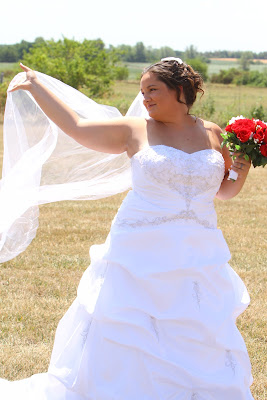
207	24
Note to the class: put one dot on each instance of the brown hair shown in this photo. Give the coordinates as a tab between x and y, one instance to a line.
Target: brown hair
175	75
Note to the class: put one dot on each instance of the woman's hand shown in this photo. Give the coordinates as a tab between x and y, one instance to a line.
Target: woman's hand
240	165
22	81
230	188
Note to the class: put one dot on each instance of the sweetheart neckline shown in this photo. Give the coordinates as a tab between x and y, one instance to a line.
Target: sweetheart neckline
174	148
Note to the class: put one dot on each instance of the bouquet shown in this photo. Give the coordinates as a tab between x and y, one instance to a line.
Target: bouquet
247	136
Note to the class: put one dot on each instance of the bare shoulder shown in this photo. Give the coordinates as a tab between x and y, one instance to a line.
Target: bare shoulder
213	129
138	128
214	132
138	134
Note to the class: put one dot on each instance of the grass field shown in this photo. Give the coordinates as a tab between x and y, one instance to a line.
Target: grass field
227	100
213	67
38	286
7	66
217	64
135	69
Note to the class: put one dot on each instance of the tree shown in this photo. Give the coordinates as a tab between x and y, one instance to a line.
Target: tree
85	64
199	66
23	47
190	52
166	52
8	53
125	52
140	54
245	60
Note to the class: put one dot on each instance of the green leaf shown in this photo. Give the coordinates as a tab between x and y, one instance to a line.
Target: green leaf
237	147
253	156
246	157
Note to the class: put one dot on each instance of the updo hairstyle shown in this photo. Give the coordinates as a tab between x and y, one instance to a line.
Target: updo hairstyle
175	75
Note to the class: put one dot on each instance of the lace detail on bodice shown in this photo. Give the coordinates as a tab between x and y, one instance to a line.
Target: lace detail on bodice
181	184
180	170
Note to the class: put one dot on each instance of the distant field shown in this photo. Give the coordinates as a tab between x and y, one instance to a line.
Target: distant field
227	100
6	66
217	64
214	66
135	69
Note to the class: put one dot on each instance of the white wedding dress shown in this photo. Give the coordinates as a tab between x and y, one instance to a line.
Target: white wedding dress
154	318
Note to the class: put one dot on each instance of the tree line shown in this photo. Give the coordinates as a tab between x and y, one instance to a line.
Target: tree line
91	67
137	53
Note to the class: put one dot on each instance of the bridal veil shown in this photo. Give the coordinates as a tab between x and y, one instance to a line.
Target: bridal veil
41	164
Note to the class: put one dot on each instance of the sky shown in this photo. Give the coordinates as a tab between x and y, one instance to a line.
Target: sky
207	24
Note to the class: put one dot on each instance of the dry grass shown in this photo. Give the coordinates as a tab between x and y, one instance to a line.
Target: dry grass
37	287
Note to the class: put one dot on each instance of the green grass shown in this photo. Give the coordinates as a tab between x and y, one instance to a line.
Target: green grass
214	67
228	100
38	286
135	69
7	66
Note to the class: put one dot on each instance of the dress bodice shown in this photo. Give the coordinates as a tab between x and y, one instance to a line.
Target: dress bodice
170	185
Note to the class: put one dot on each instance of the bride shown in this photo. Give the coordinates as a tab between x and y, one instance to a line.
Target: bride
155	313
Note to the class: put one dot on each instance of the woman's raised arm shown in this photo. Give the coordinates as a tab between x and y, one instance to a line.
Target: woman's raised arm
110	136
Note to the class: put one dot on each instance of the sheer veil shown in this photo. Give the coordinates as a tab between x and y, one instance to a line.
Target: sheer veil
41	164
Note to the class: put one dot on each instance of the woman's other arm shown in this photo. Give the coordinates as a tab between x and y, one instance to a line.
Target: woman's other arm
228	188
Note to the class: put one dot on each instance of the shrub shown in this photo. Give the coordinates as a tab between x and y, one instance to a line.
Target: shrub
257	112
3	89
121	73
87	64
205	109
238	77
199	66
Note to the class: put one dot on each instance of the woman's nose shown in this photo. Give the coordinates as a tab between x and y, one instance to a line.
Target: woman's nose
146	97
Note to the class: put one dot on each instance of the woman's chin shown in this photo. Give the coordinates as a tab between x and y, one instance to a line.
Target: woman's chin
152	113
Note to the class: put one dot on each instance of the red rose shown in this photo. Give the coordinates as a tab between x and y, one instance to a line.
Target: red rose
262	125
244	128
244	123
243	134
263	150
228	128
259	135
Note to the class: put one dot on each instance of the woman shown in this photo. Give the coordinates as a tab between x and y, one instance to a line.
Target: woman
155	313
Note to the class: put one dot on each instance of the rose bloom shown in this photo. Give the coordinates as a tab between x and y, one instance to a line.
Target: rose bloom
243	128
259	135
243	134
229	128
244	123
261	124
263	150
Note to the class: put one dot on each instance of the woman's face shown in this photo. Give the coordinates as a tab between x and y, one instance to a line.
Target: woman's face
159	100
